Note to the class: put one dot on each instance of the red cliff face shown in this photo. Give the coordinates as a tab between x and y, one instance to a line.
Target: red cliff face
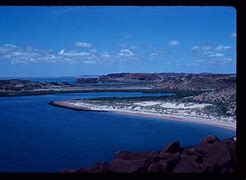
210	156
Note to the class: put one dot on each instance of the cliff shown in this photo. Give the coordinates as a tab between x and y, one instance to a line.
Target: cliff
210	156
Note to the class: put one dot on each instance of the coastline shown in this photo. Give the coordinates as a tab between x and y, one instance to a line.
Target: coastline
37	92
203	121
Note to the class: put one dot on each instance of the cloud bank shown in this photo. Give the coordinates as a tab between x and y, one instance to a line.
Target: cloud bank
25	55
86	53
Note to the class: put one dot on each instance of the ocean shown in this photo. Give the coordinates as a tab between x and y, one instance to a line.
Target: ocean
37	137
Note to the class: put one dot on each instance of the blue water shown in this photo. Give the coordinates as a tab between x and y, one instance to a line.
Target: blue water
36	137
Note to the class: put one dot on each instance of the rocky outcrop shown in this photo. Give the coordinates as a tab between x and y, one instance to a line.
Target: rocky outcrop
173	147
210	156
126	155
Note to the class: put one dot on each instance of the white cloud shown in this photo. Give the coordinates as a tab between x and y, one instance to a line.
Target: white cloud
223	48
195	48
206	48
74	53
83	45
234	35
17	55
61	52
219	54
24	55
50	56
126	52
173	43
227	59
216	55
212	53
154	54
10	45
106	55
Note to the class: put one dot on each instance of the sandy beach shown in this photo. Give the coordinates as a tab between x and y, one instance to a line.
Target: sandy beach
169	117
217	123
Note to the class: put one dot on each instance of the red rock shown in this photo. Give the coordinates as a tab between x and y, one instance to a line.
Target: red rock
210	139
216	154
164	154
129	166
211	156
125	155
188	164
159	166
173	147
68	171
231	144
101	168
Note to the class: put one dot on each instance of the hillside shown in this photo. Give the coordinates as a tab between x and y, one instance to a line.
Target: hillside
183	81
217	89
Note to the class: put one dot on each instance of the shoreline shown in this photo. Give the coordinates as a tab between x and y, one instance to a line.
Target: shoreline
203	121
38	92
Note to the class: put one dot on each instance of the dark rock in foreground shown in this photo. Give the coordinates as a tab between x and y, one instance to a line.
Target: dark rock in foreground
125	155
210	156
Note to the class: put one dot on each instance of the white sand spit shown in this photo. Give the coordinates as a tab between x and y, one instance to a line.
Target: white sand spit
148	103
183	105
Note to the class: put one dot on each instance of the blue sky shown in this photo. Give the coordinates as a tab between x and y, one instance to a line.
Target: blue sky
72	41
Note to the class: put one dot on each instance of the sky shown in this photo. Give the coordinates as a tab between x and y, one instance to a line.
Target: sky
92	40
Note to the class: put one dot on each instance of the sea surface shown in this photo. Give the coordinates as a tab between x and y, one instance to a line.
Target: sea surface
37	137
